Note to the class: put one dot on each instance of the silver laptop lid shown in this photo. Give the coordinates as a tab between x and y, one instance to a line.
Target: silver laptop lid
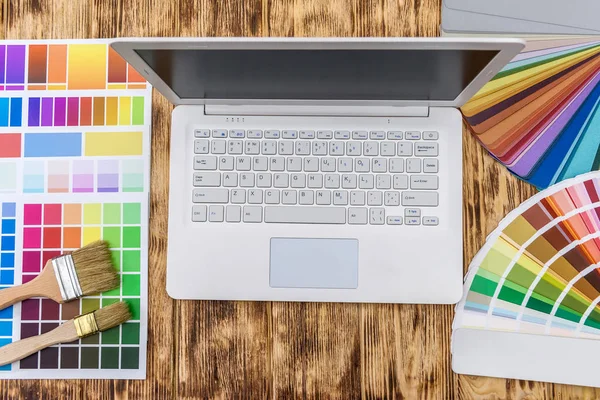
390	72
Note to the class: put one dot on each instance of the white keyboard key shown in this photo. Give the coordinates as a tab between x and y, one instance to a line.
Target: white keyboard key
307	197
272	134
281	180
357	216
353	149
230	179
238	196
243	163
199	213
394	220
294	164
400	181
431	221
233	214
201	146
319	148
298	181
202	133
215	213
289	197
413	165
286	148
305	215
332	181
424	199
252	214
255	196
345	164
336	148
392	198
360	135
349	181
397	165
226	163
269	147
311	164
315	181
260	163
379	165
412	212
394	135
366	181
424	182
324	134
377	216
413	221
412	135
362	165
219	133
289	134
328	164
340	197
430	165
344	135
405	149
237	133
323	197
387	149
374	198
371	149
383	181
430	135
205	162
263	180
357	198
247	179
272	196
277	164
207	179
426	149
377	135
307	134
252	147
255	134
302	148
218	146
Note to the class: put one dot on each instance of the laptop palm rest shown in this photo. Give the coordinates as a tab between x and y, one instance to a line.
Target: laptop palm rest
314	263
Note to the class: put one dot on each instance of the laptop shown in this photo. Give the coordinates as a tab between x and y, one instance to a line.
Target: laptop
316	169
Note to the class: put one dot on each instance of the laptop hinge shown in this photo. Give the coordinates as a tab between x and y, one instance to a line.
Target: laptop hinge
317	110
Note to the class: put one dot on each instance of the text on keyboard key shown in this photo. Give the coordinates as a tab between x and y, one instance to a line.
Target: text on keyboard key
424	182
305	215
424	199
210	195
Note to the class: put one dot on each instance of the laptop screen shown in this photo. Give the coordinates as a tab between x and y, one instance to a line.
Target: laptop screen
439	75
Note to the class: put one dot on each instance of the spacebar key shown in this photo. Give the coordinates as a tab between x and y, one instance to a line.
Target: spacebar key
305	215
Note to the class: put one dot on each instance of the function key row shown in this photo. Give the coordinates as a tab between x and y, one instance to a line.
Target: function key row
325	134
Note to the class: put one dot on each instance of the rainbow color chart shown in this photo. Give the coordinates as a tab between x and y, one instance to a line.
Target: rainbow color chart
74	168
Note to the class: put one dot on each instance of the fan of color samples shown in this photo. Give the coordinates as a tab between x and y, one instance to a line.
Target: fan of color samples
540	116
539	271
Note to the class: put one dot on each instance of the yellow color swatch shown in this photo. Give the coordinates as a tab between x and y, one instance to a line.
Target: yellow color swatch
87	66
125	111
112	110
113	143
91	214
91	234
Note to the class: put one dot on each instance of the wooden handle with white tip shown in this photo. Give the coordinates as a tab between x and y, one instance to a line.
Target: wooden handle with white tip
22	348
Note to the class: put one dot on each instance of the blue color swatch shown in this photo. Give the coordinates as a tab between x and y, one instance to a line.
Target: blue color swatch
52	144
8	221
11	111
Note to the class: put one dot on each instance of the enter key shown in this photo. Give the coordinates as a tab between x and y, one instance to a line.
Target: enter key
424	182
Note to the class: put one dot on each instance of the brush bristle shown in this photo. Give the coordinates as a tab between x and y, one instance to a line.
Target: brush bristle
95	269
112	315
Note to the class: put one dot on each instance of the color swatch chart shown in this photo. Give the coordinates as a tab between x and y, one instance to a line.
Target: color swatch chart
540	116
74	168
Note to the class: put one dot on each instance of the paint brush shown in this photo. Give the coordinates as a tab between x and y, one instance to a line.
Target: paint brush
86	271
76	328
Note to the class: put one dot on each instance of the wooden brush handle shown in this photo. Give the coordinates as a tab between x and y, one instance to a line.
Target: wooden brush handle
44	285
23	348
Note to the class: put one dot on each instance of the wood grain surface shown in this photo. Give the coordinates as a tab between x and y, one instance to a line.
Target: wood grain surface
230	350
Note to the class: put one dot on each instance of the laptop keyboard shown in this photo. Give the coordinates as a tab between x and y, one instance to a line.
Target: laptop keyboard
316	177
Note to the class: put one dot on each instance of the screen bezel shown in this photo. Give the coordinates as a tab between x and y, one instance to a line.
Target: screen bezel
507	49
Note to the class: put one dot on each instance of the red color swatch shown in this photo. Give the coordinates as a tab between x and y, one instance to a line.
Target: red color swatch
10	145
52	214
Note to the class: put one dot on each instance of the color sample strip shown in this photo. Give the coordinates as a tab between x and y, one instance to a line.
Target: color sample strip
87	66
15	67
2	65
58	177
38	54
113	143
66	144
34	176
8	223
117	67
83	176
8	177
108	176
132	176
11	111
10	145
57	67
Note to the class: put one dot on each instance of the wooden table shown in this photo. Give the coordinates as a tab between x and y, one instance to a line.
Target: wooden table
210	349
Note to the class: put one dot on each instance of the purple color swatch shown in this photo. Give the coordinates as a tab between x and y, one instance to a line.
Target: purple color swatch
2	62
34	112
15	61
47	111
108	182
60	111
83	183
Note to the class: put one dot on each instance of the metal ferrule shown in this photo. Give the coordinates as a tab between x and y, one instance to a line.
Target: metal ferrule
68	283
86	325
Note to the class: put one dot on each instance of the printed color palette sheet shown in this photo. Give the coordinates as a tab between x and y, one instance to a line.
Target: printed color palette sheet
74	168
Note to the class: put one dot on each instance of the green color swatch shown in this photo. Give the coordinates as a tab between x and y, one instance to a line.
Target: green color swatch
131	260
132	213
132	237
112	214
137	117
131	285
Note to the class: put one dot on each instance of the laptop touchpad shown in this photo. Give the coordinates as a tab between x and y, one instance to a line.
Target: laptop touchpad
314	263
